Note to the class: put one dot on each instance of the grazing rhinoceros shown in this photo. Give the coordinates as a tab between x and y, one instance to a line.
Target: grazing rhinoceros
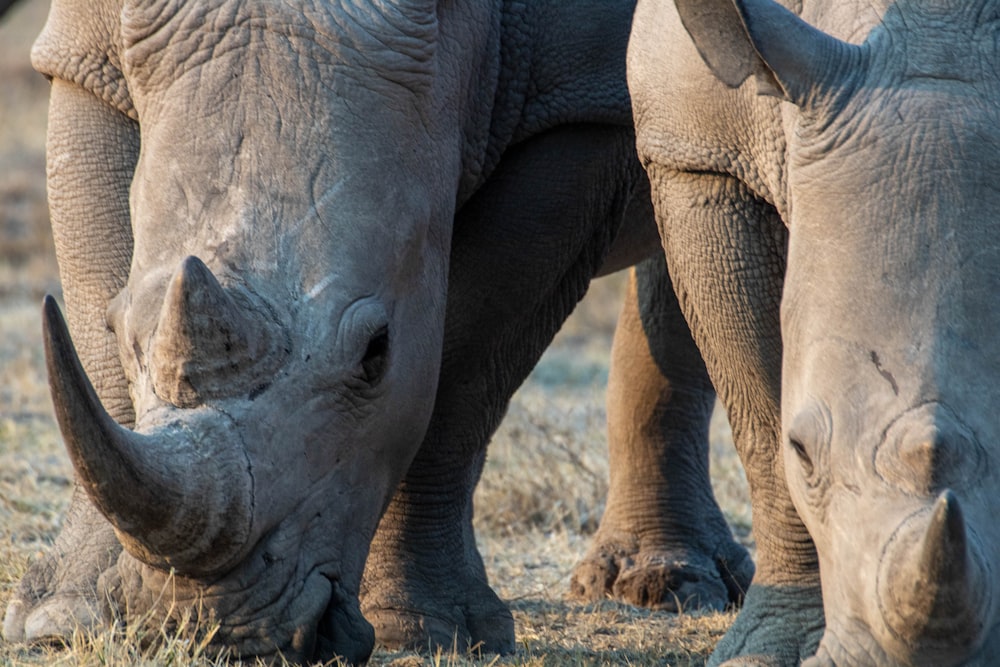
307	249
826	186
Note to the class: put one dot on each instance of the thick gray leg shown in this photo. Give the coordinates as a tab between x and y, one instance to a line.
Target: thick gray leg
726	253
58	593
523	254
663	541
88	202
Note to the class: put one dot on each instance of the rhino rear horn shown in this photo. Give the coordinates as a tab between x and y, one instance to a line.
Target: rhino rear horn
179	497
206	344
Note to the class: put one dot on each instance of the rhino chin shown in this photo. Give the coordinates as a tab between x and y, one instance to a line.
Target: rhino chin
180	497
933	594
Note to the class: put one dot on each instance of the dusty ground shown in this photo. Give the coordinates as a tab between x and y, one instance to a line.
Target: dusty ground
540	499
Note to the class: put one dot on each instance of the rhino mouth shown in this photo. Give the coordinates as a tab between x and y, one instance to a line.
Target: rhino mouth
272	607
316	632
343	631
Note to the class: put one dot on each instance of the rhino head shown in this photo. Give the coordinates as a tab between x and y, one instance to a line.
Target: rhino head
889	315
282	322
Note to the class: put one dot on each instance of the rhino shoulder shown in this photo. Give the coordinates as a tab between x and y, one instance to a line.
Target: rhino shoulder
702	114
81	42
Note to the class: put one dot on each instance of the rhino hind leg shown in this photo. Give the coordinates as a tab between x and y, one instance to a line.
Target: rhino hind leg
524	251
58	594
663	542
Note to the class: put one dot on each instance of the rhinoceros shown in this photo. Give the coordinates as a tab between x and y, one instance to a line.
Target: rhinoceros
308	251
825	178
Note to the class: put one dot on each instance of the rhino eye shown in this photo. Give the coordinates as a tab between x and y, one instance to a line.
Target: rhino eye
803	454
374	363
809	436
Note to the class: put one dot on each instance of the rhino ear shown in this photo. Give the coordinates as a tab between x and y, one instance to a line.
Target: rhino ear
717	30
788	58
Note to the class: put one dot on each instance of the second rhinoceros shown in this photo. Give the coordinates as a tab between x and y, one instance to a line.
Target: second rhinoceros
826	186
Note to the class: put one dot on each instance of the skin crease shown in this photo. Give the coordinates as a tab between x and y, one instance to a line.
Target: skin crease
320	246
872	504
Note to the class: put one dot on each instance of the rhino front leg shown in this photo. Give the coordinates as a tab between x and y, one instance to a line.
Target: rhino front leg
58	593
524	251
88	202
726	252
663	541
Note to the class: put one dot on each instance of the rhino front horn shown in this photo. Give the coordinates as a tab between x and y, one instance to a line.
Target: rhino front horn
180	496
207	345
932	586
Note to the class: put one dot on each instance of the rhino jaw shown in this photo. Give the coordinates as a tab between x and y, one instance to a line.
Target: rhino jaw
933	590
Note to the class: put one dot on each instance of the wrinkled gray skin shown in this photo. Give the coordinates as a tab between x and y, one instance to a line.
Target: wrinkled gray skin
826	190
308	253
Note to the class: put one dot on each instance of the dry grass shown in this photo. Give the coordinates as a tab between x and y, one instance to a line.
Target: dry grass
541	495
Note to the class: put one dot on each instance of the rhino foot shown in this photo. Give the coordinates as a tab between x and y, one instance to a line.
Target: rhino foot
53	618
467	617
58	593
663	578
779	626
